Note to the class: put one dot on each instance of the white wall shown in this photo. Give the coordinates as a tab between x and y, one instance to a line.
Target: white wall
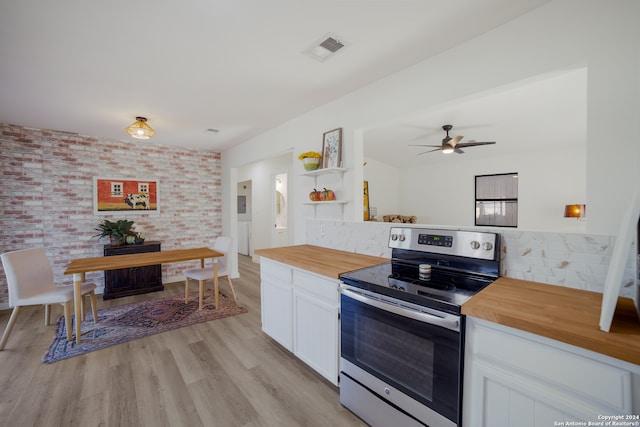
564	34
547	181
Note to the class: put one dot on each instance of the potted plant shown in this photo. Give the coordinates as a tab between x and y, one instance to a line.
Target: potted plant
310	160
117	231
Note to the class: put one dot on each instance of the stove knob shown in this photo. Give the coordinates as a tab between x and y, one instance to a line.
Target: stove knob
475	244
394	237
487	246
402	237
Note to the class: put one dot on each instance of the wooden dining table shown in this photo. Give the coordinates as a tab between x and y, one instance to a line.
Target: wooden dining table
78	267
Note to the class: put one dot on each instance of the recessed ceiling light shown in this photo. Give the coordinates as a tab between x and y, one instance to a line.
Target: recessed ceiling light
324	48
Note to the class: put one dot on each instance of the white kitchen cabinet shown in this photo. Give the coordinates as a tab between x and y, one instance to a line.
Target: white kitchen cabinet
300	311
315	322
516	378
276	295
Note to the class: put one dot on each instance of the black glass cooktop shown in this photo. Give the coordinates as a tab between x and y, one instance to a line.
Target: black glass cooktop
443	289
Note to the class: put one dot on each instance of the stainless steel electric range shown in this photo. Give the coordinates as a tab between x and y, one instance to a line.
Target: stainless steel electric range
402	333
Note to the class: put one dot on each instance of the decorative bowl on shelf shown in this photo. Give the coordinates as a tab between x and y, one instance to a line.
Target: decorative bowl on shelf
311	163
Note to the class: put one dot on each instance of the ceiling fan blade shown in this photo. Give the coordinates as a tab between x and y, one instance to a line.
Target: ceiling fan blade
475	143
422	145
430	151
459	151
455	140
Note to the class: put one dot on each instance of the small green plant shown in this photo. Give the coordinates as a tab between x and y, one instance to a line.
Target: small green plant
117	231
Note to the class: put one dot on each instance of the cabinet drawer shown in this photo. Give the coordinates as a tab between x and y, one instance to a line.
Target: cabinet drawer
319	286
276	270
579	374
132	249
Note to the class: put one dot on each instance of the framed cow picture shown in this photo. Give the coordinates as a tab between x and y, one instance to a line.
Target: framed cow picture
125	195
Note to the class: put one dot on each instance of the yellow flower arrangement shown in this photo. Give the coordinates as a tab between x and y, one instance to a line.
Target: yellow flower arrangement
307	154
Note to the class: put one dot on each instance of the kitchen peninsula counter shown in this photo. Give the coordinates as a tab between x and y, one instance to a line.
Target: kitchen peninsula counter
564	314
319	260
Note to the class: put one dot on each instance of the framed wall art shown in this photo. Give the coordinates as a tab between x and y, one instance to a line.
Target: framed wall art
332	149
365	207
125	195
628	230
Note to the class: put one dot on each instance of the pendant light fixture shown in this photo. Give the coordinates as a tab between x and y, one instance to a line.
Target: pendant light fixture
140	129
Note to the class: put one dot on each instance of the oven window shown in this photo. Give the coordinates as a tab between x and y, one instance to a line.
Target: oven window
403	356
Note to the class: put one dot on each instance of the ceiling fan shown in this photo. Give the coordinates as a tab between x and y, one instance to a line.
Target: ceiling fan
450	145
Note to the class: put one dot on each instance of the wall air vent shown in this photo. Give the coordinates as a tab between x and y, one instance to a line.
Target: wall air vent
324	48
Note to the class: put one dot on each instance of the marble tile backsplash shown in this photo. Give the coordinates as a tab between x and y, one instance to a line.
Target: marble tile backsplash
574	260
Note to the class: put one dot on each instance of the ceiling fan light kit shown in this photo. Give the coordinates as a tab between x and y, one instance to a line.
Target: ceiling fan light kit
450	145
447	149
140	129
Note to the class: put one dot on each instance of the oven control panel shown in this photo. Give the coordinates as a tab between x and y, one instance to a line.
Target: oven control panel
473	244
435	240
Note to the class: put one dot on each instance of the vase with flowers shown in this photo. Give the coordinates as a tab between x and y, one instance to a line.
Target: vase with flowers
310	160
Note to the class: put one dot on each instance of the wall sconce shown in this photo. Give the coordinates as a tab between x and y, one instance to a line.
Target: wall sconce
140	129
575	211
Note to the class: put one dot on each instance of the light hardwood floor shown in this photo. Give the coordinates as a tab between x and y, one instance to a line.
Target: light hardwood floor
221	373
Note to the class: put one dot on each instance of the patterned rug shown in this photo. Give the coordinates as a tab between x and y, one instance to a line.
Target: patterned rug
123	323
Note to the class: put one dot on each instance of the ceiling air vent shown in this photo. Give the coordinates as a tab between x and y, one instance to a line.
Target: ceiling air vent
331	44
323	49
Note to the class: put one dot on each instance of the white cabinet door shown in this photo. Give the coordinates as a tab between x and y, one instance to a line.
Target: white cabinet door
512	378
277	302
300	311
316	333
276	312
315	320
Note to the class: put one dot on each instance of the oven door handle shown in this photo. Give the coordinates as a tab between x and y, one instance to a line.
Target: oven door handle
447	321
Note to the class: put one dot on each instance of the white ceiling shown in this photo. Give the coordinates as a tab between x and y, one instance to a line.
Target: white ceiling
542	113
233	65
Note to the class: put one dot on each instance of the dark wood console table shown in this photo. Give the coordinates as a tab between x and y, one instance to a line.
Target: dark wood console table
133	280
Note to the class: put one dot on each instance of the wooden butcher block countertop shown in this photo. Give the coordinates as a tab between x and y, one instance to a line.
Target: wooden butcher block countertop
319	260
568	315
564	314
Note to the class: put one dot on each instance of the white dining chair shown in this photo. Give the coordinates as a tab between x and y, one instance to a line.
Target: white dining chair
30	282
222	245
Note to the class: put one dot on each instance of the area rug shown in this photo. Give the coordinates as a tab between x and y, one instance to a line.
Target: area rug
123	323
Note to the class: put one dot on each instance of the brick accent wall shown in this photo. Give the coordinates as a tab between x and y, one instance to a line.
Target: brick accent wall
46	195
